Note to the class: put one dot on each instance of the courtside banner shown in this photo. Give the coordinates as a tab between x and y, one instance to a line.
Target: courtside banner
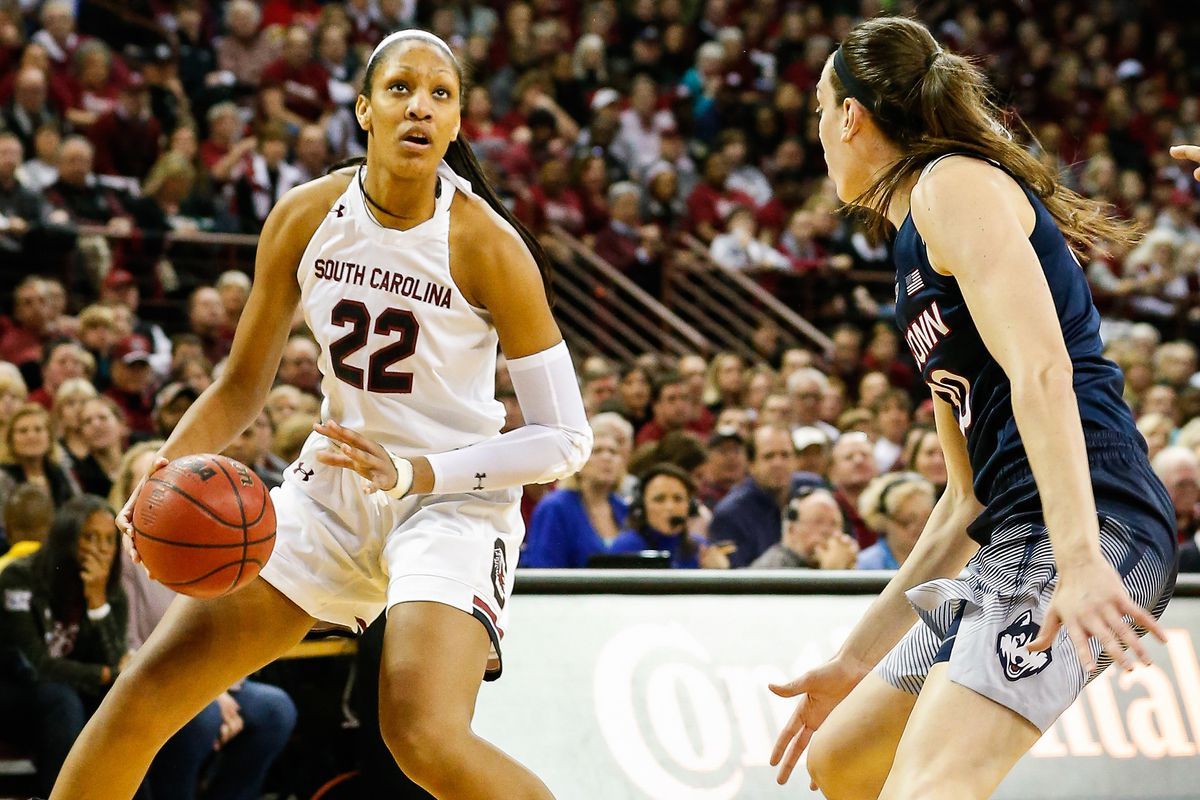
664	696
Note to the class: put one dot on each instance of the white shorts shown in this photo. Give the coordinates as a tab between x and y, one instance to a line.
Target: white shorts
345	557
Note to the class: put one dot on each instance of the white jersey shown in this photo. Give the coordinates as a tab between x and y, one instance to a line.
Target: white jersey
405	359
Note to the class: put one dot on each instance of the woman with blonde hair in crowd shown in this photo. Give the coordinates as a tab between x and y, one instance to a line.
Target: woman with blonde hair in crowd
584	514
724	382
1156	428
897	505
68	418
104	430
32	456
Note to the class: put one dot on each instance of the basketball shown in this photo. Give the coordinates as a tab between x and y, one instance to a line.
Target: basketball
204	525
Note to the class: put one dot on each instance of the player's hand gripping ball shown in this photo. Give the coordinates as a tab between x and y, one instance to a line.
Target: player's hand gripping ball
203	525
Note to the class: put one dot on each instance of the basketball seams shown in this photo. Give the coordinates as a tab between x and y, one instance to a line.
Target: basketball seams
177	490
212	572
237	493
203	545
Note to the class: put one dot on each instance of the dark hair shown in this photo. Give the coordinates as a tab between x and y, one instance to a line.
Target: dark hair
932	102
28	510
659	383
57	561
460	157
637	508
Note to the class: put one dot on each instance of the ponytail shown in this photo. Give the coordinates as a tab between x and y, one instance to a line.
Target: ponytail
931	103
460	157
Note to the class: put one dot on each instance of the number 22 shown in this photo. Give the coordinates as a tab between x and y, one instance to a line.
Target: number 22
378	377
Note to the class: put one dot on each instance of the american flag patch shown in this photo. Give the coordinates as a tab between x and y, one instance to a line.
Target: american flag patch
913	283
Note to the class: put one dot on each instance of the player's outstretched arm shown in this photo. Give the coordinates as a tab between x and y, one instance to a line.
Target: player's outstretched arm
942	550
970	219
1188	152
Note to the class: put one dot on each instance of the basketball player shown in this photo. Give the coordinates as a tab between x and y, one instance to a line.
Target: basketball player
405	498
1049	480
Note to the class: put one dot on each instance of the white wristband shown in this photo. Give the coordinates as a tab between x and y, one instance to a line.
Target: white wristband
404	477
96	614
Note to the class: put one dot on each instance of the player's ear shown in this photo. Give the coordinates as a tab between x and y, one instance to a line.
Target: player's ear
362	110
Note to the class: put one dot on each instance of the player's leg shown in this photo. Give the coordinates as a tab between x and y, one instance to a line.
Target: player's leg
988	740
198	650
851	754
433	661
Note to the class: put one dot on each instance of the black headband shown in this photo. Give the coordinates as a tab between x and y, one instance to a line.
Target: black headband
854	87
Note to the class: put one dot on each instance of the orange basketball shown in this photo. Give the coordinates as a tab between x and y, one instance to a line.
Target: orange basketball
204	525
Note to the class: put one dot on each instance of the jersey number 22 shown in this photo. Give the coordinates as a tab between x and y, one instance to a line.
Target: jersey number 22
378	376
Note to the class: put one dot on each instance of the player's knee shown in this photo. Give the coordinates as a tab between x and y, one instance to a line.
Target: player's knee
422	742
833	766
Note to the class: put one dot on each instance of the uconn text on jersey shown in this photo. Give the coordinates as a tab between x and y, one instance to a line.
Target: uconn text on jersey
426	291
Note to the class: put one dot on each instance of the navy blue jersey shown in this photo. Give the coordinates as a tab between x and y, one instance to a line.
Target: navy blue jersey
937	326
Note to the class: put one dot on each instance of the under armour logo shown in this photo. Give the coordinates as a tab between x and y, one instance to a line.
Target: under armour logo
479	476
304	474
340	210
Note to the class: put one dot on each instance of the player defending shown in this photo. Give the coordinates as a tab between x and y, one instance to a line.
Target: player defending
1049	480
405	499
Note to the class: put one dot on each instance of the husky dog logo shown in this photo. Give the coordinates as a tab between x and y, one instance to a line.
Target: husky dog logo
499	572
1012	646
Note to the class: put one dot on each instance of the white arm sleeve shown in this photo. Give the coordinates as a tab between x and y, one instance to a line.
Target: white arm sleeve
554	442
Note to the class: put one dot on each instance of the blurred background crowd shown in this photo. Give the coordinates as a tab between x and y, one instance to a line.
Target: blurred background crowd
135	135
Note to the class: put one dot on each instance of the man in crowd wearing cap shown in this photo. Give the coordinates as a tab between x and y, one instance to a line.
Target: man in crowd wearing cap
812	450
120	288
133	384
171	403
126	138
751	513
725	466
812	536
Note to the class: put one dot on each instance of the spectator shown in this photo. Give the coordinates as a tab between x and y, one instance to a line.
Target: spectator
263	177
584	514
806	387
726	466
1156	429
245	51
851	469
40	170
812	536
599	385
133	384
304	81
29	108
1179	470
812	450
927	459
170	404
750	514
282	402
298	367
63	625
711	202
23	335
740	249
206	318
897	505
253	448
120	289
28	514
95	85
634	394
76	191
312	153
67	418
12	394
641	125
32	456
744	177
105	432
225	146
57	36
893	415
169	203
669	407
64	359
126	138
234	288
630	245
658	518
724	382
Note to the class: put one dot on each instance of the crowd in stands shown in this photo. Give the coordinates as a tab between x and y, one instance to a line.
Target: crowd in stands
629	126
